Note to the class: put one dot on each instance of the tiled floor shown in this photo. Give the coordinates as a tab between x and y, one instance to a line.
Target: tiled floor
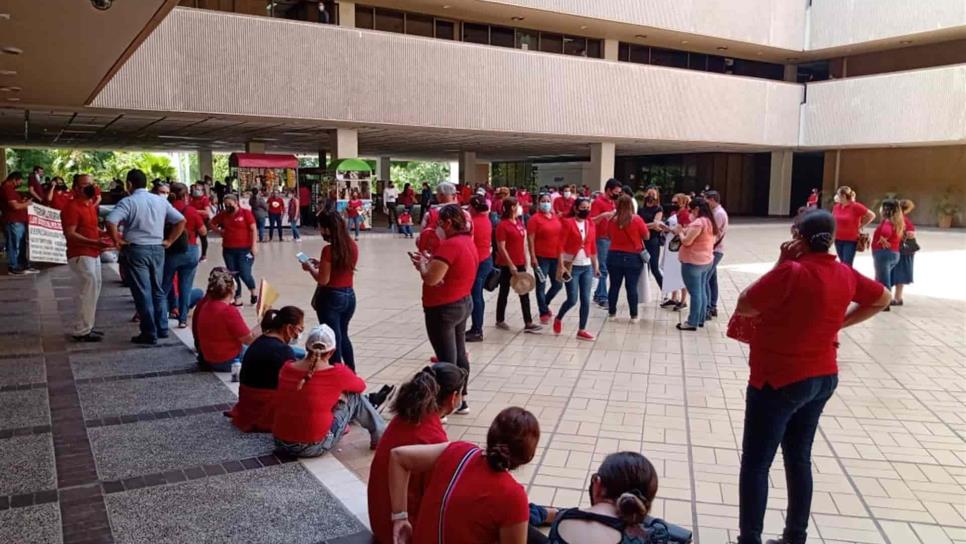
890	458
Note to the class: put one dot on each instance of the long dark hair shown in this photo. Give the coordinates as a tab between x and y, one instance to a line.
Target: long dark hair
625	211
478	203
817	228
631	482
704	210
512	439
274	320
509	204
426	392
332	221
454	214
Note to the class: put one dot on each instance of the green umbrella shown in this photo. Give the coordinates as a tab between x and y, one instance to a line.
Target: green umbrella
350	165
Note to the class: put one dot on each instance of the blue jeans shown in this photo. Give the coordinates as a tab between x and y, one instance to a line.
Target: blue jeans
406	229
260	227
145	268
274	223
293	223
482	271
16	246
355	223
695	278
336	307
240	260
885	261
580	284
846	251
787	416
624	267
603	246
712	292
184	264
545	296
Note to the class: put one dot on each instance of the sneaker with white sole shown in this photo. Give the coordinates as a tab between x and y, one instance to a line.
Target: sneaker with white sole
463	409
532	328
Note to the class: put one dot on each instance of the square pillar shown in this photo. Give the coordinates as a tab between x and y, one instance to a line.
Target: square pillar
347	14
780	184
611	47
467	165
254	147
602	156
206	165
344	142
383	169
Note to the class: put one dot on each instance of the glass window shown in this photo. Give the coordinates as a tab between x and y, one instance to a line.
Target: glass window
641	54
475	33
390	20
364	17
445	30
527	39
551	43
419	25
698	61
669	57
574	45
594	49
502	36
624	52
764	70
716	64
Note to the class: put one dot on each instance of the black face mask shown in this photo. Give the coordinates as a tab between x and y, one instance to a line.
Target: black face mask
229	208
615	196
89	191
583	214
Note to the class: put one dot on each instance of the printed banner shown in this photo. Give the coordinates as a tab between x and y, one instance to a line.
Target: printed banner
45	236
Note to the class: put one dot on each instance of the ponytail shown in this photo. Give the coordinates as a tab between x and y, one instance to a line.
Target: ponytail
315	355
630	480
426	392
274	320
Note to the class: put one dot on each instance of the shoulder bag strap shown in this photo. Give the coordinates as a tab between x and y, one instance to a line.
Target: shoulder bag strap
449	490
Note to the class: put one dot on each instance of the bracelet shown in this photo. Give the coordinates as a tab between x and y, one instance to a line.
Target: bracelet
400	516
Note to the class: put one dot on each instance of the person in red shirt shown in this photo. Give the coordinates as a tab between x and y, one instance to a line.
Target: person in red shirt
276	207
202	203
483	240
335	299
543	237
220	330
408	198
482	502
59	195
627	232
578	259
432	394
565	202
317	398
602	209
448	276
80	223
35	185
353	212
902	273
183	262
812	201
406	224
886	241
850	217
526	202
511	259
239	244
683	213
797	310
15	207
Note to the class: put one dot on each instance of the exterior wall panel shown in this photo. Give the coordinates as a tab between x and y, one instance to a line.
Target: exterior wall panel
836	23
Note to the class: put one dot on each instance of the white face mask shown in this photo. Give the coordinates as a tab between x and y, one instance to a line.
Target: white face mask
297	340
519	210
440	233
566	194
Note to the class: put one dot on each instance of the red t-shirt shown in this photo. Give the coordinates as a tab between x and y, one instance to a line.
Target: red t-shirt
600	205
83	215
193	220
59	199
525	200
341	277
562	205
352	209
221	327
847	220
802	307
399	433
483	236
236	228
572	242
11	215
684	217
513	233
545	230
886	230
276	205
812	199
459	252
304	416
480	504
201	203
629	238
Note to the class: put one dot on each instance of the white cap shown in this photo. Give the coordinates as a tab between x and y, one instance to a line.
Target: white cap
322	334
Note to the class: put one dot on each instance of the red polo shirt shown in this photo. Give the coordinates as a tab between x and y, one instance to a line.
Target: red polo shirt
630	238
304	416
482	236
10	193
600	205
201	203
221	328
847	220
562	205
81	213
59	199
459	252
276	205
236	228
353	208
545	230
341	277
193	220
513	233
802	305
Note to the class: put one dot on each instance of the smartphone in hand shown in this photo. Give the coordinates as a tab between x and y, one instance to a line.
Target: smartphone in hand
302	257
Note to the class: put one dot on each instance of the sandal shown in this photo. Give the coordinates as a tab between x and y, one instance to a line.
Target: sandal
238	302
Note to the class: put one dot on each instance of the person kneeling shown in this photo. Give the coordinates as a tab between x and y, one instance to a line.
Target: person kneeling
316	400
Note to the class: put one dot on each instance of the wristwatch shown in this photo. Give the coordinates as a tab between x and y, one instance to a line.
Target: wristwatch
400	516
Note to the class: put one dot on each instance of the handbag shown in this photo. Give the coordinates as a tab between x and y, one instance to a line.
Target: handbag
492	280
909	247
675	244
863	242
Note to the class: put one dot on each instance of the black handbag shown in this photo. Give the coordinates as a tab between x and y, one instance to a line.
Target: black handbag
675	244
492	280
909	247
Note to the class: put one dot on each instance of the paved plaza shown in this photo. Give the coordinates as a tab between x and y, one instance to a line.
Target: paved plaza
889	459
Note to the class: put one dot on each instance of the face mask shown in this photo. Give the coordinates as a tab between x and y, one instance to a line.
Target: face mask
566	194
89	191
582	214
230	208
196	192
297	340
440	233
545	207
615	196
519	210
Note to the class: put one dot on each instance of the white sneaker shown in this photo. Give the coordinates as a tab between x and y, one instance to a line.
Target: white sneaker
635	320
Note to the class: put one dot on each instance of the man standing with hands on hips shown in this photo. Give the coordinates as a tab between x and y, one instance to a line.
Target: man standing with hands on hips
144	216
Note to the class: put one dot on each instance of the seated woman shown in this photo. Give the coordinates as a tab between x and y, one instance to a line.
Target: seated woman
255	410
220	331
471	498
422	402
316	400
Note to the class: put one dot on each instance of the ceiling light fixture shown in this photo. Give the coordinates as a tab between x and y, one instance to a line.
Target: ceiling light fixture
583	27
13	89
5	16
905	42
8	72
721	48
792	58
516	18
640	36
684	42
13	99
10	50
446	6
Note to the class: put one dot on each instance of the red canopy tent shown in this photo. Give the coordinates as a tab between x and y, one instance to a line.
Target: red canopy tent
262	160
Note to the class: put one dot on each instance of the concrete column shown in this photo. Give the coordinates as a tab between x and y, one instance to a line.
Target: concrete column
780	184
347	14
206	164
468	172
454	171
3	163
601	164
382	169
323	160
344	142
611	48
254	147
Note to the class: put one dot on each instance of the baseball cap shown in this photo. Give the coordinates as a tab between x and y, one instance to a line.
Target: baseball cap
321	337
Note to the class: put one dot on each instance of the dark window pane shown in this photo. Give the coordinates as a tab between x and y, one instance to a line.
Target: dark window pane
445	30
669	57
640	54
364	18
764	70
551	43
574	45
475	33
594	48
502	36
527	39
390	20
698	61
716	64
624	52
419	25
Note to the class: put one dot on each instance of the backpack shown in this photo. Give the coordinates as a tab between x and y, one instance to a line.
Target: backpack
651	531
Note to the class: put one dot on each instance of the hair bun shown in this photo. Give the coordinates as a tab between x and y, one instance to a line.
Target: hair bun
631	508
429	370
498	457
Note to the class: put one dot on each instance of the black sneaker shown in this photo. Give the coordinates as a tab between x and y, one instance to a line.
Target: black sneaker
97	332
89	337
678	306
713	312
163	335
669	303
380	397
463	409
143	340
474	337
254	299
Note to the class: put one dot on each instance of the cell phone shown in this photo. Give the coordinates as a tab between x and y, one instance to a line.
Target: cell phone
302	257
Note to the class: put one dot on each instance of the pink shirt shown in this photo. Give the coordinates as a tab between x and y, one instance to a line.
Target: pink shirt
701	250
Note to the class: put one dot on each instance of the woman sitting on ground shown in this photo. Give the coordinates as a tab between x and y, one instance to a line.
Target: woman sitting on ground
316	400
432	394
481	501
255	410
220	331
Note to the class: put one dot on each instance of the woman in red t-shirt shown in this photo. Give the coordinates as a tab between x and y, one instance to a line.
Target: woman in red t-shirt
448	276
202	203
238	245
627	232
511	259
407	198
683	214
543	237
183	265
353	212
886	241
796	310
850	217
432	394
220	330
902	273
471	497
563	204
316	400
276	207
483	240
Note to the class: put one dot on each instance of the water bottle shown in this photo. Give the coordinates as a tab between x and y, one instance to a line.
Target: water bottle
235	371
541	276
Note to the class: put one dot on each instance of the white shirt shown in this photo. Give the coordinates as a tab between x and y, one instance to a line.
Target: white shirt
721	219
390	194
581	259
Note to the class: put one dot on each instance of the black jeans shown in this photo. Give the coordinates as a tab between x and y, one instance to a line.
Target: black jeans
787	416
446	328
504	292
653	247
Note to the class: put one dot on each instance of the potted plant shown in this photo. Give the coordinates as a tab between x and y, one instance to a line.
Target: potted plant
947	208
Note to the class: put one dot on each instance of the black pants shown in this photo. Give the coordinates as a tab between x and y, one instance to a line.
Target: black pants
446	328
653	247
391	213
504	292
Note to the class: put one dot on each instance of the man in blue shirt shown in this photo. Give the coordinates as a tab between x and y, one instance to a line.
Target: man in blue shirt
144	216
